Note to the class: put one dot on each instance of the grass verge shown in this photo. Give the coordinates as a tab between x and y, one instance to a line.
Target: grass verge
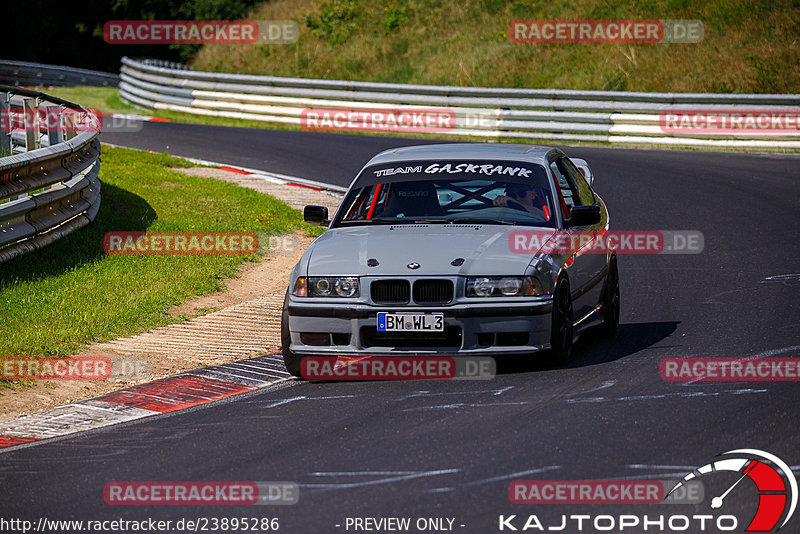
71	294
749	46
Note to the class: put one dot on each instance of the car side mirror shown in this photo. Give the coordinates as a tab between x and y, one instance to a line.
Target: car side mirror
585	170
584	215
317	215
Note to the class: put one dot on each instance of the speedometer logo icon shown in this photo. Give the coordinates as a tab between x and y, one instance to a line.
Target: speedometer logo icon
777	485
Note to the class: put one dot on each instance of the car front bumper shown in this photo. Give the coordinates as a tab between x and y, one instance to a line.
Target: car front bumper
479	328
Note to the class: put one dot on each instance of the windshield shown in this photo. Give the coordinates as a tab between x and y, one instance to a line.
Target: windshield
488	193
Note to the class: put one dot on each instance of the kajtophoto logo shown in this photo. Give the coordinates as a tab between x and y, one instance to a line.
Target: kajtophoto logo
776	484
774	500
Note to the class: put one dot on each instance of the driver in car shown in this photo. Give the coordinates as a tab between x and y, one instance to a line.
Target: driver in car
521	197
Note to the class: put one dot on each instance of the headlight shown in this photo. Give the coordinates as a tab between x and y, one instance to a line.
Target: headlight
506	286
346	287
326	286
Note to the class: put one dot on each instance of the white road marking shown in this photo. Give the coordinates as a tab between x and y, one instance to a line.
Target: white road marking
666	395
773	352
359	473
770	352
693	382
423	393
464	405
281	402
387	480
514	475
782	278
604	385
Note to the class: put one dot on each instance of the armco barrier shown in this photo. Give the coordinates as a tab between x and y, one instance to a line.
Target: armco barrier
49	185
605	116
27	73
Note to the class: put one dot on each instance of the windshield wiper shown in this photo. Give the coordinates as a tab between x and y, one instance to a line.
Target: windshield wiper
395	220
465	220
374	220
412	220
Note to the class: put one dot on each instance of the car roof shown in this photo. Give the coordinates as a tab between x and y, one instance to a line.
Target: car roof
442	151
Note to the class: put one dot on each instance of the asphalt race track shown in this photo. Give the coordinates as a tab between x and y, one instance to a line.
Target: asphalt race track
450	449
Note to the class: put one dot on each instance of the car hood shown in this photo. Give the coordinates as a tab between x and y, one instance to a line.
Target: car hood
436	248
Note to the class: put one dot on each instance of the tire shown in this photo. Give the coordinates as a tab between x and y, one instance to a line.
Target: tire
611	300
561	333
292	361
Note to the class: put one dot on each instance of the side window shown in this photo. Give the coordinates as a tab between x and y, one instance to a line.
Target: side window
585	195
567	190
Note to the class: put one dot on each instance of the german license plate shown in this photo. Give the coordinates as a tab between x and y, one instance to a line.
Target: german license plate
410	322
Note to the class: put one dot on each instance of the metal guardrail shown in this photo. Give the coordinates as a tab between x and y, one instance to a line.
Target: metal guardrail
49	185
606	116
26	73
166	63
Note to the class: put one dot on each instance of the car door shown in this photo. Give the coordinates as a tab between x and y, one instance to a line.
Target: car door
585	266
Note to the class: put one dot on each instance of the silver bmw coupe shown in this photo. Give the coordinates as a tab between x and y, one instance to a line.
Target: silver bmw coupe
448	249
